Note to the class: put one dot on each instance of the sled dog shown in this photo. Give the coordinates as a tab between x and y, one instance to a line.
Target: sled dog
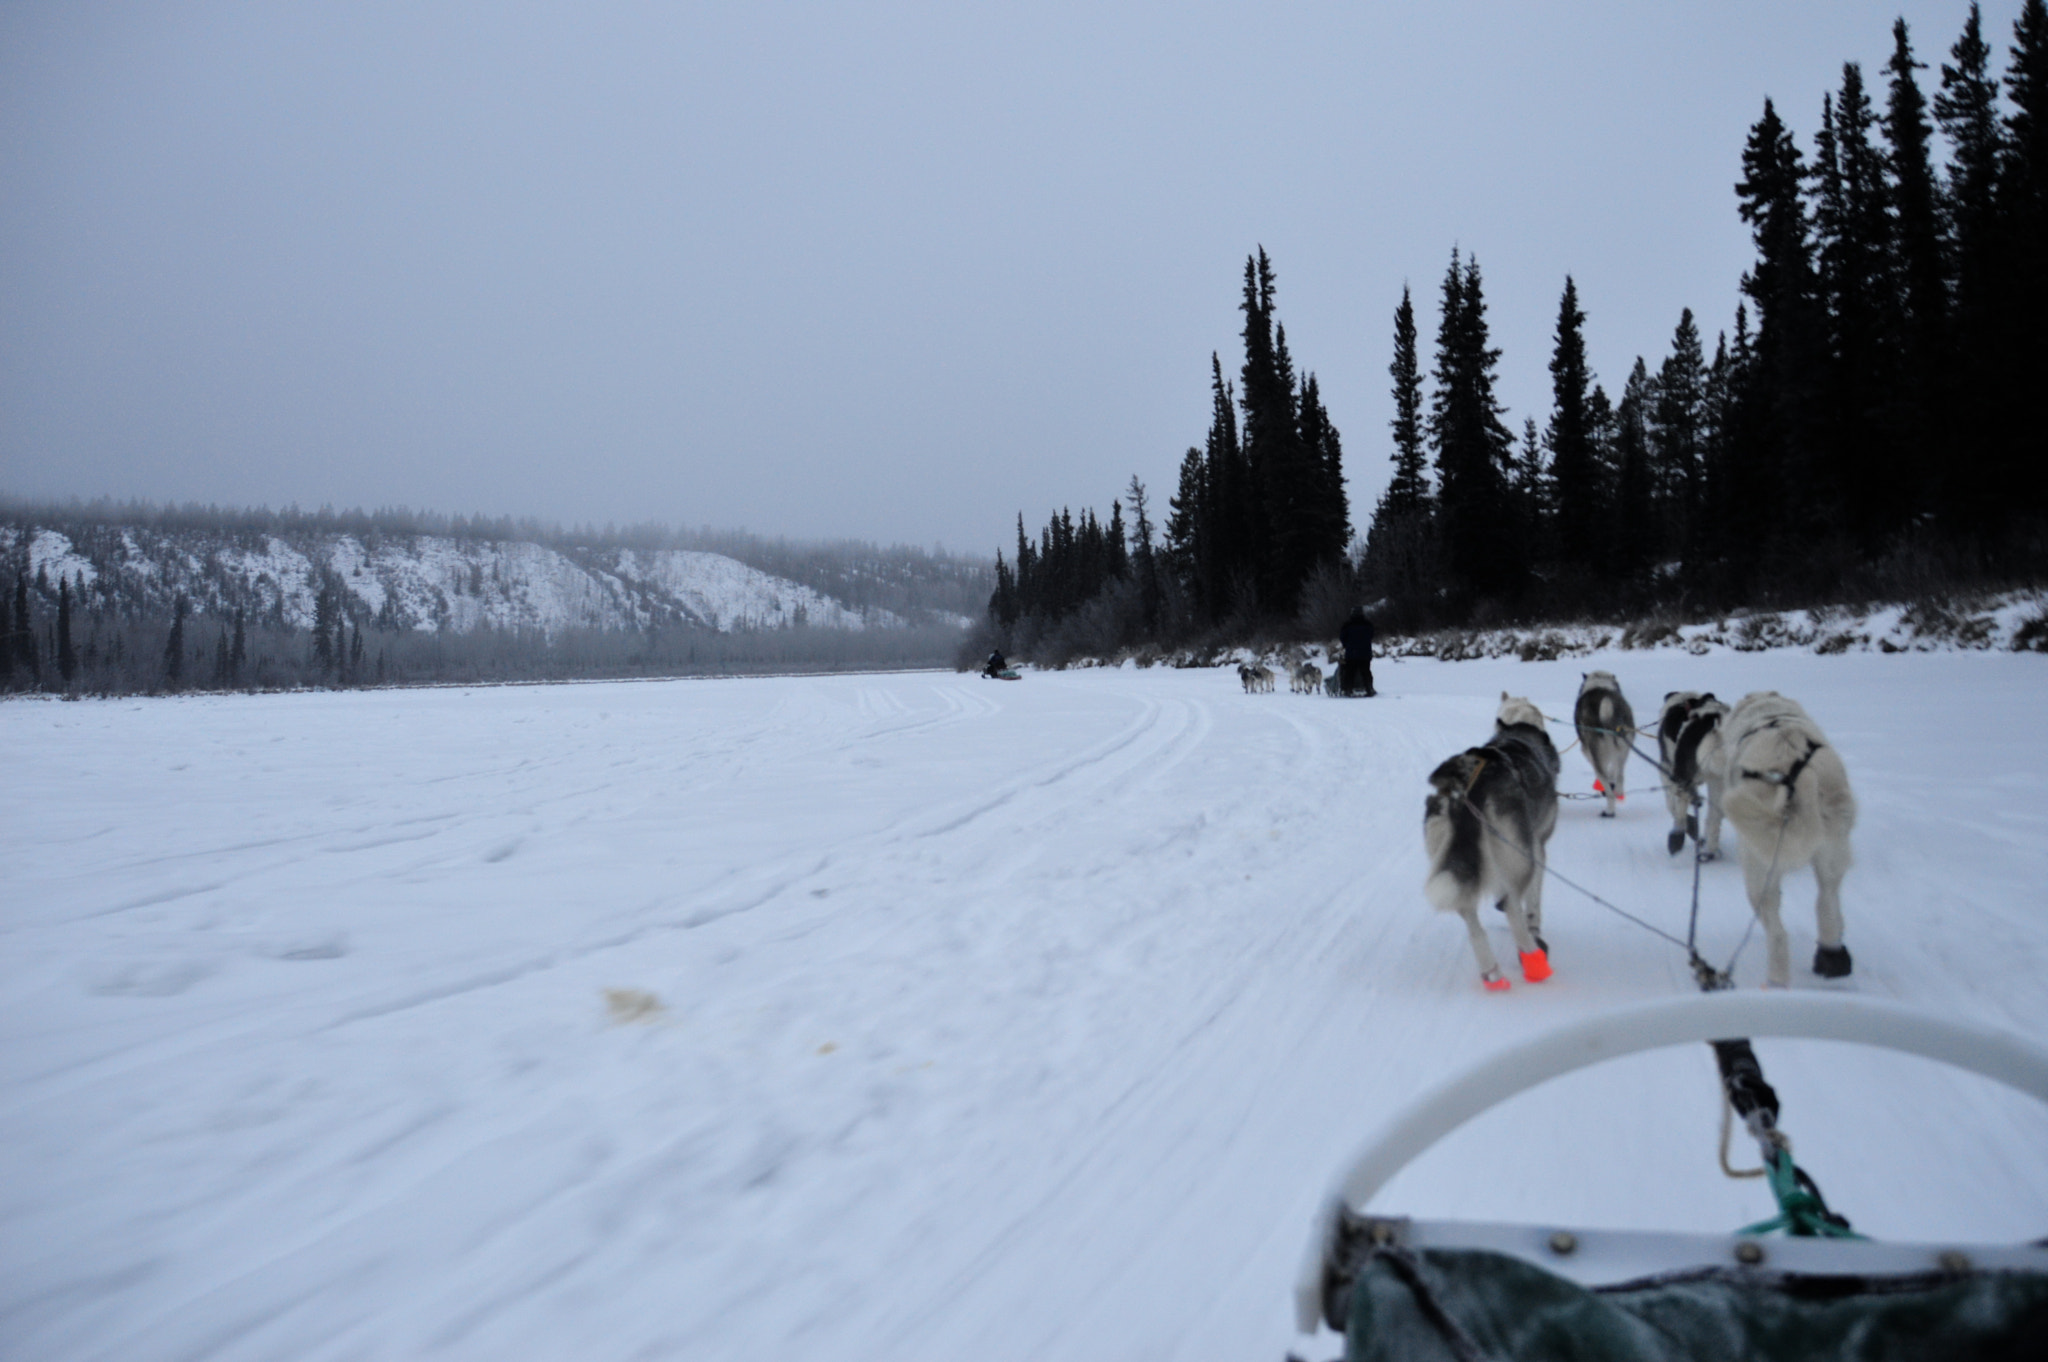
1606	727
1787	793
1308	679
1485	825
1689	746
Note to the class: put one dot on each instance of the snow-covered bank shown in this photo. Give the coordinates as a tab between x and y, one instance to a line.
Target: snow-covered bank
993	1020
2008	621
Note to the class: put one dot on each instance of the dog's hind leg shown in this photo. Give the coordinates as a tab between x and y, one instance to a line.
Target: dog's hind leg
1525	914
1676	799
1482	949
1532	901
1765	883
1830	863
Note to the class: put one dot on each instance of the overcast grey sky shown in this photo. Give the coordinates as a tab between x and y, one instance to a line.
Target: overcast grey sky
892	271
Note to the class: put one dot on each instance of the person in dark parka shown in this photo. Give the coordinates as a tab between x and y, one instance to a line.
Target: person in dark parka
1355	672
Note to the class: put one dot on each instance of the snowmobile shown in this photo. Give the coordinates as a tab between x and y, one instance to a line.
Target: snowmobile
1004	674
1416	1290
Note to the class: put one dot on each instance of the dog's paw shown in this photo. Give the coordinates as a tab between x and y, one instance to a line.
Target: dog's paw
1831	962
1535	966
1495	982
1675	843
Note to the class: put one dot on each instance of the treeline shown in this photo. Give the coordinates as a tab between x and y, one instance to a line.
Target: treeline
60	648
1867	429
1256	531
1874	431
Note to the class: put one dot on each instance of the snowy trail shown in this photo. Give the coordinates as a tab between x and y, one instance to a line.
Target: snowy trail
996	1020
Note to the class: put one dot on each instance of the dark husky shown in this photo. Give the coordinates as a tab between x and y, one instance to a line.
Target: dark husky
1606	727
1689	745
1486	823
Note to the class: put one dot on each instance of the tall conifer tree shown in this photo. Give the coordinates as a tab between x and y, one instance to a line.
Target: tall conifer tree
67	656
1575	486
1923	355
1475	452
1408	493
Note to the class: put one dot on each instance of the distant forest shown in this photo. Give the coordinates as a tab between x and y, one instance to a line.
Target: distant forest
127	635
1870	428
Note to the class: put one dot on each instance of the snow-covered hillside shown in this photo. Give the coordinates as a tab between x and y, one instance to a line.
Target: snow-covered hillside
428	582
910	1016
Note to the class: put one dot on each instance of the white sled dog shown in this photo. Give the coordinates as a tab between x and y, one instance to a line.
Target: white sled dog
1606	727
1787	793
1486	824
1308	679
1689	745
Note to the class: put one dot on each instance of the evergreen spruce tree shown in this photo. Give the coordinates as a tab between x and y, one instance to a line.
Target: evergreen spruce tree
238	651
1924	359
174	646
1272	452
1188	547
1859	290
26	655
1678	441
1775	446
1325	516
326	615
6	642
1635	545
1576	495
1408	493
1474	450
1397	543
67	657
1531	499
1228	498
1144	565
1967	112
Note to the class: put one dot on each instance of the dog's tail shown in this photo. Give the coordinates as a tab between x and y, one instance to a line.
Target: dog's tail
1451	832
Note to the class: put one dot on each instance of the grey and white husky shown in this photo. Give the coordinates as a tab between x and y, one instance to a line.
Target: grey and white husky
1689	745
1606	727
1787	793
1486	825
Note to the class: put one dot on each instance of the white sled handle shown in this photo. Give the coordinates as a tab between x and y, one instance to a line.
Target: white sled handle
1995	1054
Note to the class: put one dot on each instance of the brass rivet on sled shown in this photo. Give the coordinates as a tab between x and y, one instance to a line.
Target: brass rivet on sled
1749	1253
1954	1260
1563	1242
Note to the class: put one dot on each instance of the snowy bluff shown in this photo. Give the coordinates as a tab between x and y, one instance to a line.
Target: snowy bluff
429	583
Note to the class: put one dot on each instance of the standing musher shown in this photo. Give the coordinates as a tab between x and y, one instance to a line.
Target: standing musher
1354	674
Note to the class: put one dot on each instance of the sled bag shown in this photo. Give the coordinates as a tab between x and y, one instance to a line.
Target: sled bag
1421	1305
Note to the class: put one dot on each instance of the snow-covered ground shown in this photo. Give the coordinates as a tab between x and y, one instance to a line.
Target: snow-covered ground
910	1016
